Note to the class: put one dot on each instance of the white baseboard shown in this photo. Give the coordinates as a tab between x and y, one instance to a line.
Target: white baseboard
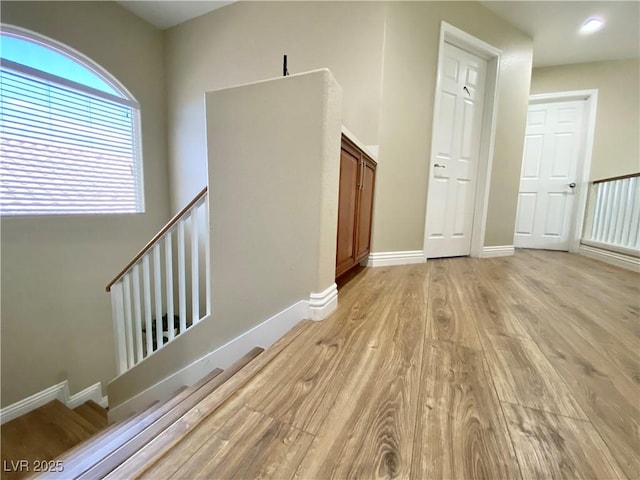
614	258
386	259
94	392
262	335
322	304
59	392
497	251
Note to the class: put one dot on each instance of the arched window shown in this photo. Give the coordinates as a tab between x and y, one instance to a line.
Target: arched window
69	132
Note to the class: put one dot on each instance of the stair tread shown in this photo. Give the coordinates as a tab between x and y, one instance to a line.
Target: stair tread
118	429
156	447
112	430
187	401
92	415
89	453
42	434
97	408
120	449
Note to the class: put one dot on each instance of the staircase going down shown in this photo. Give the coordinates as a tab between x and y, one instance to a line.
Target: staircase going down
92	453
30	441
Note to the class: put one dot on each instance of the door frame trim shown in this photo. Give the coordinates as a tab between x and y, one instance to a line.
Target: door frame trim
586	152
465	41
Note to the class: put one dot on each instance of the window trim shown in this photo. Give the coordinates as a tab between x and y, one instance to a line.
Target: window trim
126	99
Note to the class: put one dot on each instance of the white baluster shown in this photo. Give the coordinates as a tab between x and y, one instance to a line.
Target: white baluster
628	212
117	311
615	212
634	227
137	312
207	254
195	286
600	210
622	211
157	281
128	327
608	214
182	278
146	283
168	260
590	234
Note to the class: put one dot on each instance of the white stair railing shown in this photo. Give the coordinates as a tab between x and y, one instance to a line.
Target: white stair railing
146	313
612	219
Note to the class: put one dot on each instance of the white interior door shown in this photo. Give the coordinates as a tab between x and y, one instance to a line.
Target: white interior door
552	151
454	168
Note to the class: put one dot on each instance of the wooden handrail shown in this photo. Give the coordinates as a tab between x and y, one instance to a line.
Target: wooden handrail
158	236
611	179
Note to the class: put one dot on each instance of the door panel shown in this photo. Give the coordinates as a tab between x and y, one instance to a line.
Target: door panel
562	160
467	147
446	134
555	209
532	156
366	209
550	163
345	253
526	213
453	171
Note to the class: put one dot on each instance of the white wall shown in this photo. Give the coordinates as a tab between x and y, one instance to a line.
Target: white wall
384	55
273	156
56	315
410	72
244	42
616	146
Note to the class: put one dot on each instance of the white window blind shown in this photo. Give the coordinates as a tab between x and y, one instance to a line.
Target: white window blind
65	150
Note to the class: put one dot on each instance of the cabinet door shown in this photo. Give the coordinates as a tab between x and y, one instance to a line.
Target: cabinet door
366	209
347	205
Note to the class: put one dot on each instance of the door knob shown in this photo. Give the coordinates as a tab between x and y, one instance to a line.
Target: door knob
438	165
572	185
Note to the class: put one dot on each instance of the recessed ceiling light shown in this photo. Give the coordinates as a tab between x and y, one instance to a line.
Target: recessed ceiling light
591	25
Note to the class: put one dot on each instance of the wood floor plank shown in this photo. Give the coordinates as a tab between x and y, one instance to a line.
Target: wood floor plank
608	315
611	403
303	395
609	398
448	315
522	375
155	449
250	445
369	429
485	299
552	446
405	379
172	461
461	431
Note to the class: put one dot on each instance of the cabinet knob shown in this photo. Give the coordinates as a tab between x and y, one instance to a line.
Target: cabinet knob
438	165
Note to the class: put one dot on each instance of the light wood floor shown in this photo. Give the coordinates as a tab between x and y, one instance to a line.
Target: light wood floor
45	433
517	367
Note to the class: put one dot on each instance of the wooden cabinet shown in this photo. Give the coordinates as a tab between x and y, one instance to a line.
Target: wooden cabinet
355	206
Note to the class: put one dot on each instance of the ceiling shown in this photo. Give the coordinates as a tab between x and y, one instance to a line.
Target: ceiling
553	25
166	14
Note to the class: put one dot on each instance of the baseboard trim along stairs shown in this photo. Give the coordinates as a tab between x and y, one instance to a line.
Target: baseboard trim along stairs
262	335
58	392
